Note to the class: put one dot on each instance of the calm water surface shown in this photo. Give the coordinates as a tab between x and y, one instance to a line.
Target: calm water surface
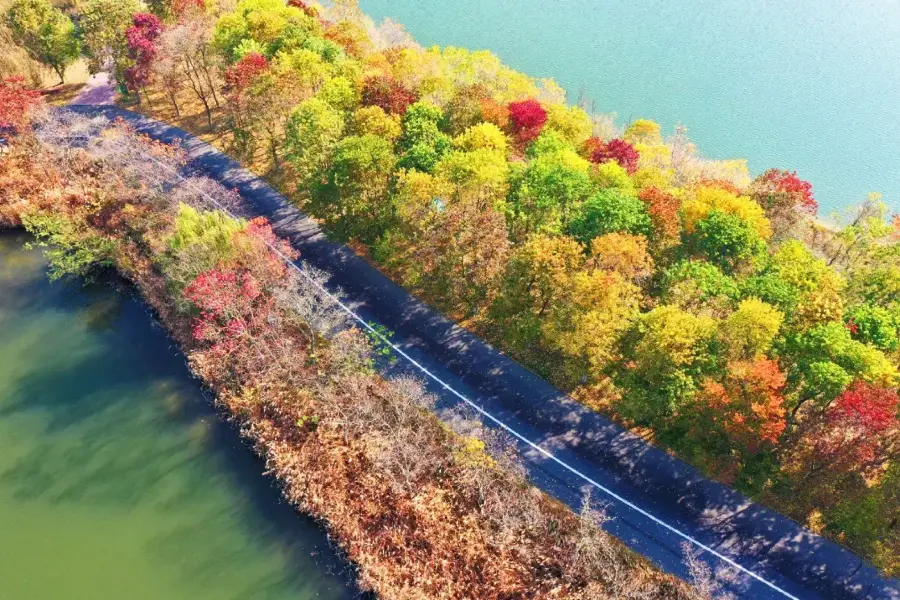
116	478
809	85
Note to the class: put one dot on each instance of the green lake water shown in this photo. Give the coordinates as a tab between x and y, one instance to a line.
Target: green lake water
117	479
811	86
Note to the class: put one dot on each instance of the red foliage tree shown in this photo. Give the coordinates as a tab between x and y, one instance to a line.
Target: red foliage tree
309	10
835	450
785	198
182	8
241	74
233	311
865	407
263	253
527	119
141	39
222	296
388	93
618	150
663	208
16	103
238	323
784	187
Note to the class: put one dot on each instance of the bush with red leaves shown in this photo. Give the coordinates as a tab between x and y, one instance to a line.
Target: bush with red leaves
241	74
854	437
663	208
590	146
387	93
527	119
309	10
865	407
617	150
16	103
785	197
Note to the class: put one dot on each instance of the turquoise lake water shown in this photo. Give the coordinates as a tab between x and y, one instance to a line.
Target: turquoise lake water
811	86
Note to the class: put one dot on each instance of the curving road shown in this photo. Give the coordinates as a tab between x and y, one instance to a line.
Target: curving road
657	502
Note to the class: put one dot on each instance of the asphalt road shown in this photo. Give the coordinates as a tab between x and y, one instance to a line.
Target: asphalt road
657	502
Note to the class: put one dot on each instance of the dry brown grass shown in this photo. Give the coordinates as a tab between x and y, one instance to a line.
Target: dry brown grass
60	95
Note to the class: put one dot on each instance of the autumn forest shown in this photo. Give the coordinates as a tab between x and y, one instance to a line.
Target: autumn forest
713	312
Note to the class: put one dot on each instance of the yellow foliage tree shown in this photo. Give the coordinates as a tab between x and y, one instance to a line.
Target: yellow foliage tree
704	199
748	332
372	120
622	253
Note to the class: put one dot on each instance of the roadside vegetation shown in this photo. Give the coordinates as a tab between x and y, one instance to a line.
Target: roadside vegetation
424	510
706	309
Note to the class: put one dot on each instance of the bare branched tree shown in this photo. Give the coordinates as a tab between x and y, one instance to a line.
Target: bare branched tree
187	45
707	583
304	300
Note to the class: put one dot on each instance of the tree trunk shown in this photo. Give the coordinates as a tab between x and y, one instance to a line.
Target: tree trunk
147	95
205	65
174	104
208	112
197	86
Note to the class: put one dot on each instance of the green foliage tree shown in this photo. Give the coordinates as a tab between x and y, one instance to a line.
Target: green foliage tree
312	132
869	525
549	190
692	284
749	332
46	33
483	136
340	93
727	240
372	120
422	143
608	211
535	280
72	251
355	199
826	358
271	26
102	25
613	175
199	241
873	325
478	174
671	350
569	122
